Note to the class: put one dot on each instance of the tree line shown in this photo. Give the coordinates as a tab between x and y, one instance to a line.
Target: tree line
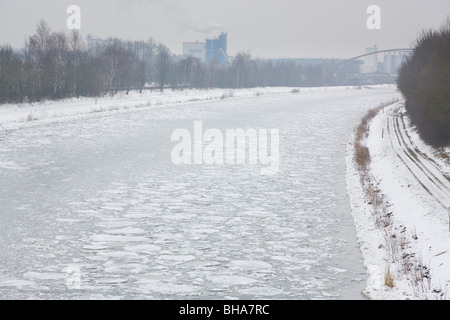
424	80
56	65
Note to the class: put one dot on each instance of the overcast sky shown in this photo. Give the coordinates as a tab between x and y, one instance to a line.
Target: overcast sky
264	28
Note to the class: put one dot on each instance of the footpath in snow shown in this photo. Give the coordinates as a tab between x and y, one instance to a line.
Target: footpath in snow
414	182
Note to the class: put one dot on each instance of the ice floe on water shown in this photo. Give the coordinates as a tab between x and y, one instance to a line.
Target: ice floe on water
109	206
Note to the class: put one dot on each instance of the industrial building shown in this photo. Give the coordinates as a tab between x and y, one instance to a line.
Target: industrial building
93	42
392	63
388	63
212	50
195	49
370	62
216	49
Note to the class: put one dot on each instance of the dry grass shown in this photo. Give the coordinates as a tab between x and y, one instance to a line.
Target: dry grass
362	154
388	278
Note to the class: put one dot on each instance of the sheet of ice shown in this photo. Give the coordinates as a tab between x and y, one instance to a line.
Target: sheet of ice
105	199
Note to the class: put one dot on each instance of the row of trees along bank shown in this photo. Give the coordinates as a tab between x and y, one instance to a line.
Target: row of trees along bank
55	65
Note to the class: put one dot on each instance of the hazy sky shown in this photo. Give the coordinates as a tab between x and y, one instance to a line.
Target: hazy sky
264	28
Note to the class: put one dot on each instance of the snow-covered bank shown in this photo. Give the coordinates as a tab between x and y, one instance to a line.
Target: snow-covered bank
414	188
16	116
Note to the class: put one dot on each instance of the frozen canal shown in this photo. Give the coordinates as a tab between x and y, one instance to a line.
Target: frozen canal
94	208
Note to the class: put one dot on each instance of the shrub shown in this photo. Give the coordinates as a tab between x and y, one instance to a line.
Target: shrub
362	156
424	81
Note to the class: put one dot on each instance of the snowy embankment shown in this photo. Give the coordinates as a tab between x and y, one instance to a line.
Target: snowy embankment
16	116
406	249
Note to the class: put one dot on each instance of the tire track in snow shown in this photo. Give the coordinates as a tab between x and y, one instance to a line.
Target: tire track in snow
421	167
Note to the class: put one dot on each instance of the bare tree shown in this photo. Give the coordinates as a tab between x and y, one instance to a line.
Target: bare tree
145	52
241	66
162	65
10	75
110	63
129	66
76	48
35	48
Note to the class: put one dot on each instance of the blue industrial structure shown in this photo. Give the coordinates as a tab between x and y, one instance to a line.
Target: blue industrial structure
216	49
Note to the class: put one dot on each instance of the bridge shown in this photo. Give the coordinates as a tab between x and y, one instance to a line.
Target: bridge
362	78
402	50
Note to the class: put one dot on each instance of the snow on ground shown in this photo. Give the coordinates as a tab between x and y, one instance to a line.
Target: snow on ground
412	179
22	115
